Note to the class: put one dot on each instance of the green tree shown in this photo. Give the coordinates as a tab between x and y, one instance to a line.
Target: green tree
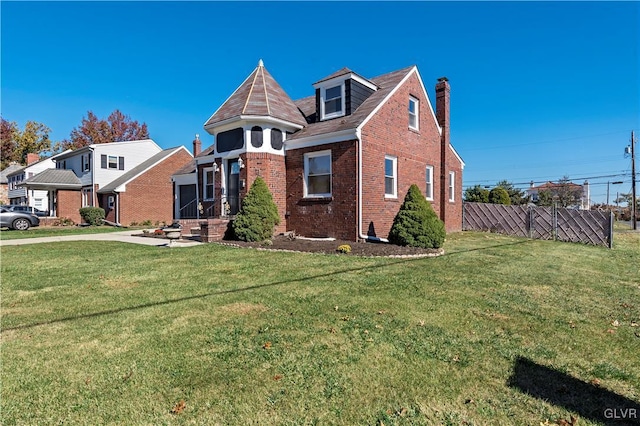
476	194
517	196
416	224
16	143
499	195
258	215
92	130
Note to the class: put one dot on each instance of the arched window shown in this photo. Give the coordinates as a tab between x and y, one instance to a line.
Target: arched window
276	139
256	136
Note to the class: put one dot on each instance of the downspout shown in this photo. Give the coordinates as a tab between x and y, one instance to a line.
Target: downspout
360	234
93	181
117	208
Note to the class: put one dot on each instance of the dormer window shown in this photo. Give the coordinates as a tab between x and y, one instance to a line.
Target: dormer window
332	101
341	94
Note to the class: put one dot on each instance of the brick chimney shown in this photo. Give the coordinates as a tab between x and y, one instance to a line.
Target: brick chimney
32	158
197	146
443	91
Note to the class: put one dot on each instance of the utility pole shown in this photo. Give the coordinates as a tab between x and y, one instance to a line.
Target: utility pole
634	223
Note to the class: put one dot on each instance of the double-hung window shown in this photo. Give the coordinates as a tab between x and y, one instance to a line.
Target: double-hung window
414	105
333	101
390	176
317	174
208	183
452	183
428	193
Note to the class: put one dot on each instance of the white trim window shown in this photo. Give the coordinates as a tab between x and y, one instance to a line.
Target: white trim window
414	113
112	162
390	176
452	186
208	179
111	202
332	101
87	197
317	174
428	192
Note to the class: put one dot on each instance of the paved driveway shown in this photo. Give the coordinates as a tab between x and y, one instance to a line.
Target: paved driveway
124	237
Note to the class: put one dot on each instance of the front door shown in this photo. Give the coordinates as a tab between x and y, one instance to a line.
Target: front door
188	206
233	186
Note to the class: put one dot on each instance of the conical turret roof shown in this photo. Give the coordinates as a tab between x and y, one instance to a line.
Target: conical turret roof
259	95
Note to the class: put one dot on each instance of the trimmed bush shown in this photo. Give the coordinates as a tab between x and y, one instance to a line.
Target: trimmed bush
258	215
416	224
499	195
94	216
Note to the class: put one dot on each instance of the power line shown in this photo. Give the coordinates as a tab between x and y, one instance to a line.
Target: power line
542	143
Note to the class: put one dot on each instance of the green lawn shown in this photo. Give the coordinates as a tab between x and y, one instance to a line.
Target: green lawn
56	231
110	333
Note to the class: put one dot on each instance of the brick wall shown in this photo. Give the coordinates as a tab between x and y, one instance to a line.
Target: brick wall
68	205
150	195
388	133
271	168
336	216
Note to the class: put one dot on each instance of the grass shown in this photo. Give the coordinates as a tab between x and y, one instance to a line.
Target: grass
110	333
56	231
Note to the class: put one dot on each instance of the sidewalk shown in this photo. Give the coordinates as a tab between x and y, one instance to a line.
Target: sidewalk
123	237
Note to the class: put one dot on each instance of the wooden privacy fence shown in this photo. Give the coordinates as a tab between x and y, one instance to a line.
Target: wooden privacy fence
544	223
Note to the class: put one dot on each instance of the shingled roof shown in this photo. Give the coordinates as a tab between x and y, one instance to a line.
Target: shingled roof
259	95
386	83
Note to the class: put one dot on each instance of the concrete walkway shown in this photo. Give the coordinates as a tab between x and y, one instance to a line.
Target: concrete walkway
123	237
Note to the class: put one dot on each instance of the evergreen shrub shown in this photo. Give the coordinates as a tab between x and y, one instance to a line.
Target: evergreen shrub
416	224
258	215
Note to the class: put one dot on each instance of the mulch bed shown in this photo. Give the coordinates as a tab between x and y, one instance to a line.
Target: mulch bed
282	242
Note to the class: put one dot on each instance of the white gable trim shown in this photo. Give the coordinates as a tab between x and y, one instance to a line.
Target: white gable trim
457	155
344	77
395	89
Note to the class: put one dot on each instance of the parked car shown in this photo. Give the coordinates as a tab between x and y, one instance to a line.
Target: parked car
17	220
27	209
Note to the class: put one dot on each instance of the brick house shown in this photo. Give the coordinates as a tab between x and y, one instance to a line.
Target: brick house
130	180
338	162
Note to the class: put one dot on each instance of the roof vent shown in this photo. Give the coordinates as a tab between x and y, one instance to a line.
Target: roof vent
260	63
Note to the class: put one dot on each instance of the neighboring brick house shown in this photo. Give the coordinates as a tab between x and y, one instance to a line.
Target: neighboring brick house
338	163
131	180
583	203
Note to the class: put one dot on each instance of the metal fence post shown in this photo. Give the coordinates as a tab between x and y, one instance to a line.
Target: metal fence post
611	218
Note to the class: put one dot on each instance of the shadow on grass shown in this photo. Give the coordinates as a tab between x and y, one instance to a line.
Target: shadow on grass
249	288
587	400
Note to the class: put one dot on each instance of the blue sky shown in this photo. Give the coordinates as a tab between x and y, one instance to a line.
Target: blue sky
539	90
